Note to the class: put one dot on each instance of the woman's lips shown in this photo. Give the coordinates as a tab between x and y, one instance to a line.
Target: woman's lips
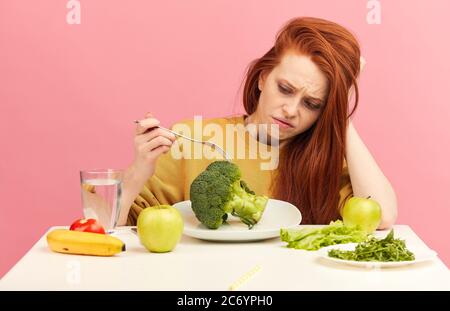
283	124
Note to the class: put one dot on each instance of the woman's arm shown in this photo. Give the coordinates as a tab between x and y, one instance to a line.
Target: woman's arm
367	179
132	184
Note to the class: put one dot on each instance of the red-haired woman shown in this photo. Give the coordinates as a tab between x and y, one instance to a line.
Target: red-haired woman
302	84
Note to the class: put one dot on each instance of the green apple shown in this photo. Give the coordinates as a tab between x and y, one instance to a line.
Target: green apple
364	212
159	228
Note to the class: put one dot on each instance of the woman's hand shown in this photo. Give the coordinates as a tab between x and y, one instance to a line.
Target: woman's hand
149	143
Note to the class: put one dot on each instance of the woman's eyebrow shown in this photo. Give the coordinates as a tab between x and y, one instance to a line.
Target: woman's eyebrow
295	88
288	83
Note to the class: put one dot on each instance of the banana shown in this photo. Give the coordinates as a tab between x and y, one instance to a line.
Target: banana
84	243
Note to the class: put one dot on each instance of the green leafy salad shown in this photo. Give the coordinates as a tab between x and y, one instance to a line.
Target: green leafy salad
387	249
312	238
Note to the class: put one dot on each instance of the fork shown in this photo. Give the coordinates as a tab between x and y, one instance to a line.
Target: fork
207	143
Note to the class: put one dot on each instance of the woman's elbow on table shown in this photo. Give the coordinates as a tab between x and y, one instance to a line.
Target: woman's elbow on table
388	215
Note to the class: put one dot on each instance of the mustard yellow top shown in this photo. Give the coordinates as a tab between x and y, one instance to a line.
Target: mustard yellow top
174	173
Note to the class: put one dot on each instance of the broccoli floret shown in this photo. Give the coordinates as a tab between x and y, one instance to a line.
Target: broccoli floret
219	191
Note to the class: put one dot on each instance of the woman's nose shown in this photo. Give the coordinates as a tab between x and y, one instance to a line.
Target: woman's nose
290	109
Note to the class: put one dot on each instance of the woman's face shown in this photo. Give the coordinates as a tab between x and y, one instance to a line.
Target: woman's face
292	96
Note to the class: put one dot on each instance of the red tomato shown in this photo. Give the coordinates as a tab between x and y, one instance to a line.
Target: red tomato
87	225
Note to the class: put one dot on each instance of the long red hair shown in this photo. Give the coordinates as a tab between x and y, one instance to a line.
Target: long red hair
310	164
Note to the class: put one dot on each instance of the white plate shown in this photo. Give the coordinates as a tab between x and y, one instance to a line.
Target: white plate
278	214
421	254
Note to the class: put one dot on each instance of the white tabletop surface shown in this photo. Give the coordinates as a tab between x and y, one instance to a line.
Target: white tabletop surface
202	265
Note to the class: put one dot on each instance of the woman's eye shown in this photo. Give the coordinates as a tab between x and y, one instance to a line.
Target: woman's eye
312	106
284	90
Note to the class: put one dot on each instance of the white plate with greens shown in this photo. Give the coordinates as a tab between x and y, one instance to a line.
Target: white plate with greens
421	254
277	214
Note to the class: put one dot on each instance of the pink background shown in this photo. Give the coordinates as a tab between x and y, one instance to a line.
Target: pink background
69	93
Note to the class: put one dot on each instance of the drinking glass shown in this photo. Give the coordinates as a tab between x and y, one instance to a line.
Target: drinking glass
101	190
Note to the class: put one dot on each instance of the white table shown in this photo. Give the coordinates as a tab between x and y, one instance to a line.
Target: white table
201	265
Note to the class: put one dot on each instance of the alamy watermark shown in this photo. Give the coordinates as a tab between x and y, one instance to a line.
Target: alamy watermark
73	275
73	16
374	14
239	141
